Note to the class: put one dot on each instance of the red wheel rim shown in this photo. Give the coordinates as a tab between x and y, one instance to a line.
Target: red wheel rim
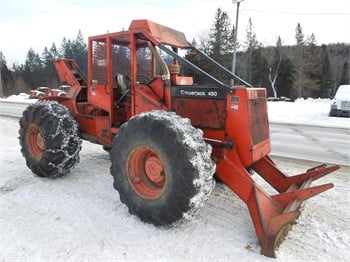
146	173
36	142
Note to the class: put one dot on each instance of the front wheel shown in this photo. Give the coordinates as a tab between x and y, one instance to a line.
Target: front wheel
49	140
162	167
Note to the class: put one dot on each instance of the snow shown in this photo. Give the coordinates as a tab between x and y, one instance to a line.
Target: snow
80	218
21	97
305	112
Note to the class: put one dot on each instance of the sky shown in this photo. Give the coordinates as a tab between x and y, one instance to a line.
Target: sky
35	24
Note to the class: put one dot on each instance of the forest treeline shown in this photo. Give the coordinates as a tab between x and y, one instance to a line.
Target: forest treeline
305	69
39	70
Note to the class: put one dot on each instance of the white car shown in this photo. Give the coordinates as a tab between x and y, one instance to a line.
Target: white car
340	105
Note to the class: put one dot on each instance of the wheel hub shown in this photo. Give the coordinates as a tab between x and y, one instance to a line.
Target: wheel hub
154	169
146	173
36	141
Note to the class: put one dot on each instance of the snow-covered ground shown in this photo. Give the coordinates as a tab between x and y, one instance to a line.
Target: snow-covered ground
306	112
21	97
80	217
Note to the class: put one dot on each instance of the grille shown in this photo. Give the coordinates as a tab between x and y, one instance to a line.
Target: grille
258	120
345	105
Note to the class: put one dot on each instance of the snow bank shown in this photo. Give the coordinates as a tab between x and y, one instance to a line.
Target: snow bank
305	112
21	97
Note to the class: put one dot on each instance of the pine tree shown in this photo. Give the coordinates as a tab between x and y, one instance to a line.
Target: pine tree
299	82
285	80
66	49
326	76
345	75
32	71
194	58
221	36
48	59
75	49
259	69
54	52
79	49
251	44
5	75
221	42
312	68
257	64
2	65
251	41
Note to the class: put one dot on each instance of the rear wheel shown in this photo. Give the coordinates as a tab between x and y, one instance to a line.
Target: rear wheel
162	167
49	140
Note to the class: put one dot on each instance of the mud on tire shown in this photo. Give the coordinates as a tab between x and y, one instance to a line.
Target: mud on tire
162	167
49	140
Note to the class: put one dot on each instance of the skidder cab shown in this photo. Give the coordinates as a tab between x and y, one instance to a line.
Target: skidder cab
168	132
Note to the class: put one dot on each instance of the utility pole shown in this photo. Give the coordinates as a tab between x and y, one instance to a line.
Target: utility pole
238	2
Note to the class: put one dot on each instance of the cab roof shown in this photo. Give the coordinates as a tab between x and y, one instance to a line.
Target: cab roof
148	30
163	34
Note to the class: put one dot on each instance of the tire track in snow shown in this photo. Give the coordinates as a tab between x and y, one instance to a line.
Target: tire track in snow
318	141
15	183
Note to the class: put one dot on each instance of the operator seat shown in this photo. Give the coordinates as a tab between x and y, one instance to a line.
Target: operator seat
123	88
123	82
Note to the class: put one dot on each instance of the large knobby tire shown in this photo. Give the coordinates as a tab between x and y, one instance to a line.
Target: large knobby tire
49	140
162	167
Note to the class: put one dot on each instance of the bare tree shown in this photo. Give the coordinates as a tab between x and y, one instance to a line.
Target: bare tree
274	62
204	41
